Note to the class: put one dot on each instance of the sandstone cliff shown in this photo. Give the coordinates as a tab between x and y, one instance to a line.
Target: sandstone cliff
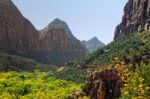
57	40
136	17
17	34
53	45
93	44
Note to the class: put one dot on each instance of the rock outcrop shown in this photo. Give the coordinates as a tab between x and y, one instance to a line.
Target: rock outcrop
53	45
103	84
136	18
93	44
57	40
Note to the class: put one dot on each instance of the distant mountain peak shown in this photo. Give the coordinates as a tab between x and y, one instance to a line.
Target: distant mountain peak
58	20
94	39
93	44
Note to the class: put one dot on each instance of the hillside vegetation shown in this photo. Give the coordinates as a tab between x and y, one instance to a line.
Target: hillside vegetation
10	62
129	48
133	49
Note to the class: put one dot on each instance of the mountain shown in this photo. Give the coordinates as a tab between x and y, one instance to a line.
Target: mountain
17	34
93	44
136	17
55	44
58	43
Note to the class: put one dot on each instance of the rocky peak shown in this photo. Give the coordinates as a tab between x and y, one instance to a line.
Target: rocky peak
93	44
58	24
136	17
94	39
57	38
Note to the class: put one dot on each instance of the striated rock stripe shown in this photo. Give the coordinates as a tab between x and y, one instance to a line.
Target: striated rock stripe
136	17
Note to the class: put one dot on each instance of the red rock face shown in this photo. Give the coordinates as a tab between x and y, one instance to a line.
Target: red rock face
136	17
57	38
53	45
103	85
16	33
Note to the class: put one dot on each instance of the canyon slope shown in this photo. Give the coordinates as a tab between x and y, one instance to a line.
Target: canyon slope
136	18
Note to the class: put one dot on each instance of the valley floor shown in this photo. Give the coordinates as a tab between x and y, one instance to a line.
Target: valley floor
38	85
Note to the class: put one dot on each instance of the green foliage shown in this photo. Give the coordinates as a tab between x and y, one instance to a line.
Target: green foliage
17	63
138	84
38	85
125	46
72	74
128	47
144	71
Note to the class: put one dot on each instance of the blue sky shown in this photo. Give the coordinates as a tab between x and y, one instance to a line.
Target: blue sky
86	18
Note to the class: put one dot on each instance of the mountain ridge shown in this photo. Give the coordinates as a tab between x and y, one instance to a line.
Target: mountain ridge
19	37
93	44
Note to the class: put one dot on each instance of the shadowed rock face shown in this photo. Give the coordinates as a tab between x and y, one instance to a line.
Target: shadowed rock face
57	38
53	45
104	84
17	34
93	44
136	17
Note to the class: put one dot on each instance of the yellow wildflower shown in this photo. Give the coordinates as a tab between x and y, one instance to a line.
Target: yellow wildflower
126	93
147	88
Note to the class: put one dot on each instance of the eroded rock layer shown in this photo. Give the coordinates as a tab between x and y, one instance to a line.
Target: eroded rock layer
136	17
17	34
58	41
